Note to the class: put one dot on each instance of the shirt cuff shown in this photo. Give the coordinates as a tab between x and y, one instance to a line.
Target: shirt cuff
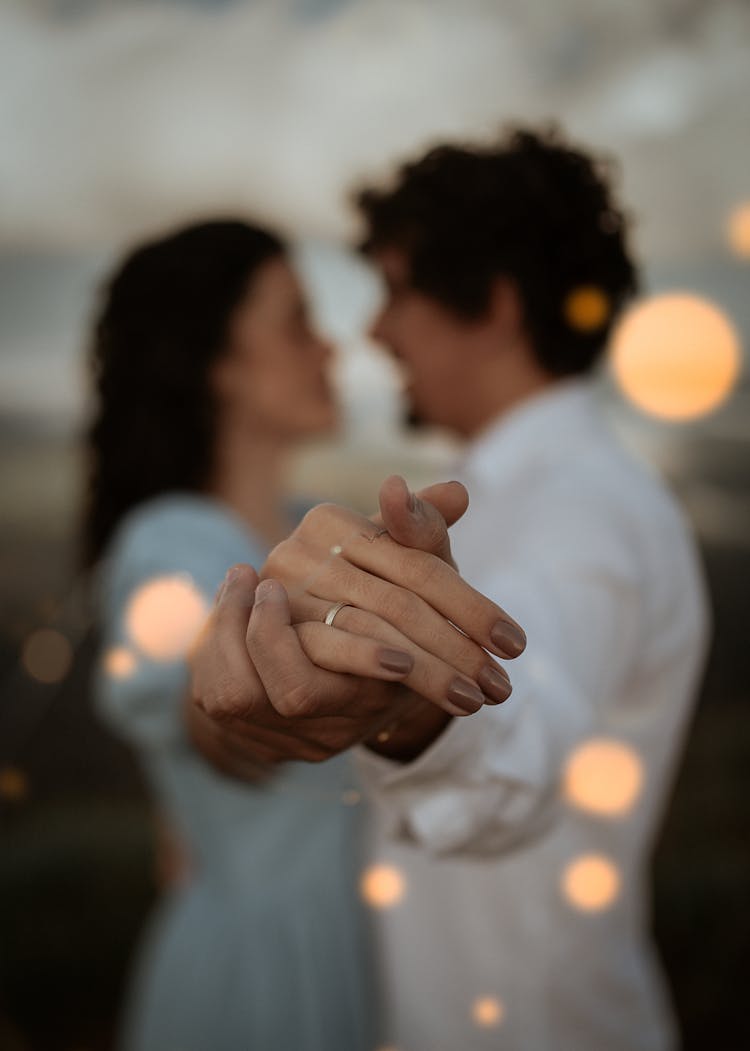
437	798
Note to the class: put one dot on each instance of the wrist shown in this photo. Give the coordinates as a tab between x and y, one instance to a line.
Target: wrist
410	730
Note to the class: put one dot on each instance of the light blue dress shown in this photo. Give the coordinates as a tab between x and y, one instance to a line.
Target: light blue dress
266	948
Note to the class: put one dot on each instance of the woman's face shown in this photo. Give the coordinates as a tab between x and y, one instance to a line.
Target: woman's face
274	372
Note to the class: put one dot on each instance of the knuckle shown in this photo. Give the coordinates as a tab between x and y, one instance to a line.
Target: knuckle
277	559
400	606
224	698
288	559
427	571
326	523
318	516
294	700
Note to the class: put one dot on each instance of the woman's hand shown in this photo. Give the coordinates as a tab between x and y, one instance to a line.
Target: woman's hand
265	689
261	692
408	599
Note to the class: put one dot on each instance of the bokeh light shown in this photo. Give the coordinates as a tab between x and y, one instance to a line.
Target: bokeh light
164	616
487	1011
591	882
738	230
586	308
676	356
382	886
603	776
14	785
119	662
47	655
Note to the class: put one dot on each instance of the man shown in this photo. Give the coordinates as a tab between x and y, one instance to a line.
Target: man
524	921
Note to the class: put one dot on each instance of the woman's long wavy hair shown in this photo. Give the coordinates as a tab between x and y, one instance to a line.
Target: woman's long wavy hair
163	321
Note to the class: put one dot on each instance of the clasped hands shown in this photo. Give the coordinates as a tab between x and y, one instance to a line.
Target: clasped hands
271	682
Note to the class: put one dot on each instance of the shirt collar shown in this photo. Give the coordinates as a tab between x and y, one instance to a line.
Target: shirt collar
540	427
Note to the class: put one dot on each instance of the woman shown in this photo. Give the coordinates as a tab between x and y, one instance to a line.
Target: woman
208	373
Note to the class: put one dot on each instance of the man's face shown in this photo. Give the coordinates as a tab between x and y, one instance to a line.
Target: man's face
432	346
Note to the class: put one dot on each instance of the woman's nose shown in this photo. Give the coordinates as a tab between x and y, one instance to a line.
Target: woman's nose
376	330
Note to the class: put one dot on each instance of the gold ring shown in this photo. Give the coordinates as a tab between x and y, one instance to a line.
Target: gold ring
333	611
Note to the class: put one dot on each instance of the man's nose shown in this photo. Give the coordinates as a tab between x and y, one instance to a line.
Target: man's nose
326	349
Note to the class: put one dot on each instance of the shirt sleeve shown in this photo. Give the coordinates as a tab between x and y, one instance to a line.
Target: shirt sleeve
492	780
170	559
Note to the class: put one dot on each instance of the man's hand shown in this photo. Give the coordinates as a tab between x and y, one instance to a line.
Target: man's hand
410	599
421	520
272	682
264	691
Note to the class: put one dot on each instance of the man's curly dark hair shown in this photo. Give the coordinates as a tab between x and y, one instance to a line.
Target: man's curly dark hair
530	207
163	321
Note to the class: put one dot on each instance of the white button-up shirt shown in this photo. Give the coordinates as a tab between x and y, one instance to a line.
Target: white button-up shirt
523	833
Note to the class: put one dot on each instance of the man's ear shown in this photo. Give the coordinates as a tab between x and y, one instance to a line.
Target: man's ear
505	310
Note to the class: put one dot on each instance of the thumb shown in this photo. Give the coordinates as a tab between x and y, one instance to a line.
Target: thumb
421	520
236	595
449	498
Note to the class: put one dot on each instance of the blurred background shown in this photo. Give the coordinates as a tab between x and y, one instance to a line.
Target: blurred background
120	118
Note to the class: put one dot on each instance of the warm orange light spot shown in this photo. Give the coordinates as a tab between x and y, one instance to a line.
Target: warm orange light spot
119	662
382	886
586	308
487	1011
47	655
738	230
14	784
164	616
591	882
604	777
676	356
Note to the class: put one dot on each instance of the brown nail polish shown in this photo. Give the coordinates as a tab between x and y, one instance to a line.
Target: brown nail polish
396	661
465	695
508	638
495	684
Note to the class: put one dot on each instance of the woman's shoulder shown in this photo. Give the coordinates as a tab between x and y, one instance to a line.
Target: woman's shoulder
181	532
174	514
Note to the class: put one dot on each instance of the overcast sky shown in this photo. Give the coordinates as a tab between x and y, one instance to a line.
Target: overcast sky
118	118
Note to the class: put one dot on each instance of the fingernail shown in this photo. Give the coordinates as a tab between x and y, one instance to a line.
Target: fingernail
412	502
395	660
232	574
465	695
508	638
495	684
264	590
